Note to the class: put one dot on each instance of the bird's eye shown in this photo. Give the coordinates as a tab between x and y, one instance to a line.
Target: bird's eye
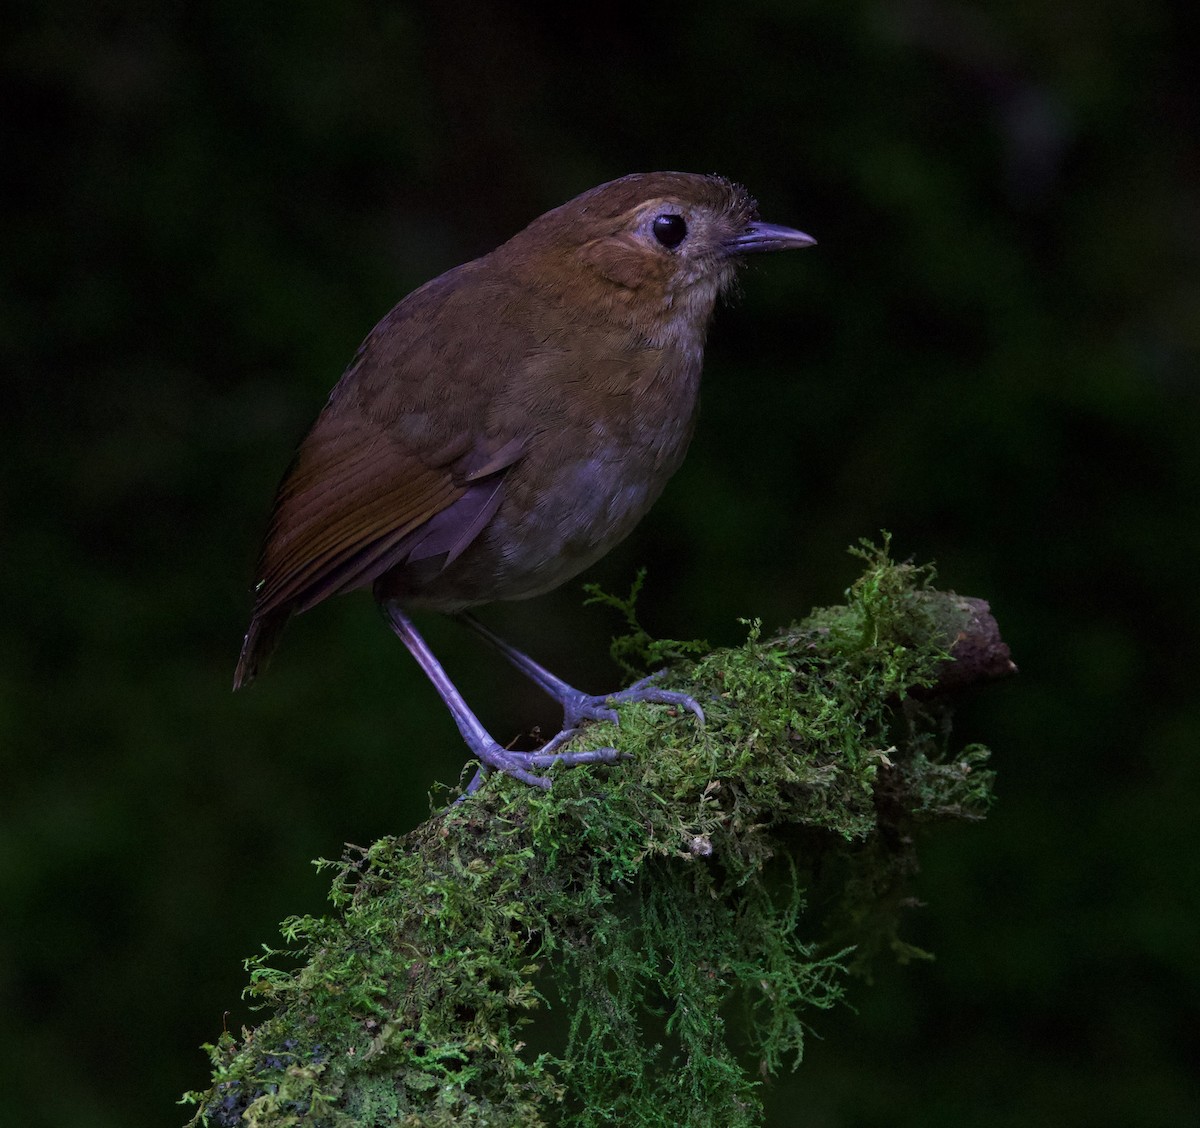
669	230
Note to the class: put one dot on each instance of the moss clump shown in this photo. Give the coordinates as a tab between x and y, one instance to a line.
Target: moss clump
631	947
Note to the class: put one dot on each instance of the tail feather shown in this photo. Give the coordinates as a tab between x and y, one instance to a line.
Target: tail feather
259	644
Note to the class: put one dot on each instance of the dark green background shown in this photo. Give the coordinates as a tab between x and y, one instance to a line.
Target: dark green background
993	353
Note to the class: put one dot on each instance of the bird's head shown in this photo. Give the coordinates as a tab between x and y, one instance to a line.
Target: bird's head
660	245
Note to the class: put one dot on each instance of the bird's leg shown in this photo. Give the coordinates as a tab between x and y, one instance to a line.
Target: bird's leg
578	706
479	741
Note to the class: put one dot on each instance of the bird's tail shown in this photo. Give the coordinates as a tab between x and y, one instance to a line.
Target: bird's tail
259	644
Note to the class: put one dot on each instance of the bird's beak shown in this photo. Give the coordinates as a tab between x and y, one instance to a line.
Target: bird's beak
768	237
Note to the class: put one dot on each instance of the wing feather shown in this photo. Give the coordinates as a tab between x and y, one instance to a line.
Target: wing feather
340	515
399	465
334	505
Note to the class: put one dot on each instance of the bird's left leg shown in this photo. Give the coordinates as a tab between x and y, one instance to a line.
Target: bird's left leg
578	706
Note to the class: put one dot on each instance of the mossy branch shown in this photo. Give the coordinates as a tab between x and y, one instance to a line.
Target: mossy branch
634	946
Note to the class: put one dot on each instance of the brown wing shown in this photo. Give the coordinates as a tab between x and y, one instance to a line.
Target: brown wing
401	464
356	503
350	493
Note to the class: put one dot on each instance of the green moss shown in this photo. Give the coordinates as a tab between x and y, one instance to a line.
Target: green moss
658	906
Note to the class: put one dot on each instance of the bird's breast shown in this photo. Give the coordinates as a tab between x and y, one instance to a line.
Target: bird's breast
589	474
584	490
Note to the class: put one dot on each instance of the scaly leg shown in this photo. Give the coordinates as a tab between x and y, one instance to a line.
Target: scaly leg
578	706
479	741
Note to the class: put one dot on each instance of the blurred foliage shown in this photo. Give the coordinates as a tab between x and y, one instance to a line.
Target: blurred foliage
993	352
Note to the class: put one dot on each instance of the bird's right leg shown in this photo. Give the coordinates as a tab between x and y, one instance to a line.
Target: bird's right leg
578	706
489	753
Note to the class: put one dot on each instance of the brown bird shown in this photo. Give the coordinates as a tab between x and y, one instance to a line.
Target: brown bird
507	424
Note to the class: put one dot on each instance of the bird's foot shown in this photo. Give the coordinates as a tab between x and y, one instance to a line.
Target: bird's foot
579	707
518	764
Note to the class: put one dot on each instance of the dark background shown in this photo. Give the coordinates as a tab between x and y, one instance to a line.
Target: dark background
992	353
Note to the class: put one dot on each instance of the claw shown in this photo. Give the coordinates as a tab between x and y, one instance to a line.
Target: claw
643	691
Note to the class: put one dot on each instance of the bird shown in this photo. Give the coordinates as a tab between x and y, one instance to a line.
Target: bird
507	424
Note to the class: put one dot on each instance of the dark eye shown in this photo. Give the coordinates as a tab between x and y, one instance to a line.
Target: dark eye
669	230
